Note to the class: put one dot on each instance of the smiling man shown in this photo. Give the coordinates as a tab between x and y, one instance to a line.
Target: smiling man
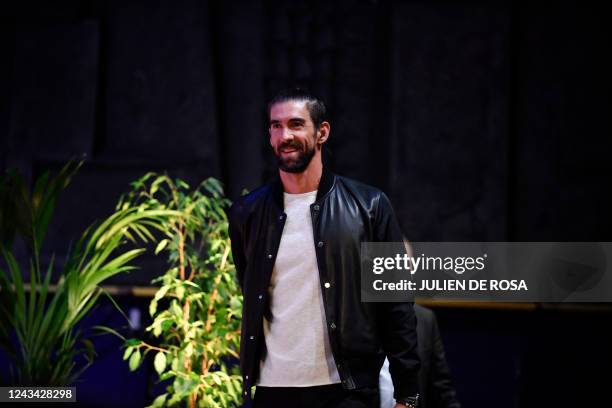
307	340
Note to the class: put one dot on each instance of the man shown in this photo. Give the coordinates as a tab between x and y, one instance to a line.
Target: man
307	339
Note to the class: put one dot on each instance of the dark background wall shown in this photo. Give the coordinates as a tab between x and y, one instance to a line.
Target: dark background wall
482	121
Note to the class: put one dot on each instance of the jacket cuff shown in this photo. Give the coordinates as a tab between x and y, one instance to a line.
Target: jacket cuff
406	386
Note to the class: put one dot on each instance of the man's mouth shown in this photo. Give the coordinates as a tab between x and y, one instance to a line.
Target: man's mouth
288	149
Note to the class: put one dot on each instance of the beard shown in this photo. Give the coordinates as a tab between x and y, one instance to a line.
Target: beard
297	163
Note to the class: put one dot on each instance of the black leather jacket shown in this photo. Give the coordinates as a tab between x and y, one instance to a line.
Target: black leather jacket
344	214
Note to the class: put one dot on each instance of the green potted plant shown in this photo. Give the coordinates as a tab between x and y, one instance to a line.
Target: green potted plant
196	311
39	332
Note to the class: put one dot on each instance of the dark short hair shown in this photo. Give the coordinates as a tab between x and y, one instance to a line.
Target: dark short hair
316	107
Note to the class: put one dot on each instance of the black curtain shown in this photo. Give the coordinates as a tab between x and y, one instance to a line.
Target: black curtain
481	120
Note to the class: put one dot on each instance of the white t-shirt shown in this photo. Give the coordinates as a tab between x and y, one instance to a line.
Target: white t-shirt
298	350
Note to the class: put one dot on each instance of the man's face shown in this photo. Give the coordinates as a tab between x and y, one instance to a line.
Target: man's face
292	135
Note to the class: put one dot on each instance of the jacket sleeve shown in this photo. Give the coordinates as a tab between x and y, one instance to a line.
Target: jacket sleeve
236	234
397	321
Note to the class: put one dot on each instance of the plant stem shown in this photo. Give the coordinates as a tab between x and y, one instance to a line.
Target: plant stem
150	347
181	249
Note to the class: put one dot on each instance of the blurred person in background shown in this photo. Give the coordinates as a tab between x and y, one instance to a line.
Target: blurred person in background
435	383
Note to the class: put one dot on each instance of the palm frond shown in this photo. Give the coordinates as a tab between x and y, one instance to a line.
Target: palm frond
46	344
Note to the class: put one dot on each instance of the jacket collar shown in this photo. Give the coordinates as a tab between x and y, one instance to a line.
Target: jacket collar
325	184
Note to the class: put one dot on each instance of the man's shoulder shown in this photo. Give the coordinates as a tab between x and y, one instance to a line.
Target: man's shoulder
423	313
359	189
250	200
256	195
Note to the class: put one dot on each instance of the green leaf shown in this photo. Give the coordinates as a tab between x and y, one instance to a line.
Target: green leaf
176	310
135	360
133	342
182	184
160	362
195	285
159	401
216	378
167	375
162	244
161	292
180	292
127	353
152	307
166	324
189	350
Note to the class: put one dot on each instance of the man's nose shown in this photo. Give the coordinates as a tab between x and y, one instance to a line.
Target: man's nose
286	133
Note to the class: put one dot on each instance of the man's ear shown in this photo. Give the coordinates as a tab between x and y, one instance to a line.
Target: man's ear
323	132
